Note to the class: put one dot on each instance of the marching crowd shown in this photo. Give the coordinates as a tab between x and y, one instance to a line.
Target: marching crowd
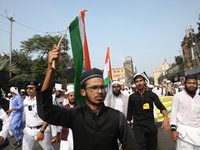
124	119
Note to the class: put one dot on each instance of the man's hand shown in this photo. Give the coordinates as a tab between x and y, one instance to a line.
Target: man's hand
40	136
1	140
165	125
9	111
174	136
57	139
55	55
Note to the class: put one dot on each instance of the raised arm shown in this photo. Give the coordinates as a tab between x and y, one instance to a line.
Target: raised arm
50	73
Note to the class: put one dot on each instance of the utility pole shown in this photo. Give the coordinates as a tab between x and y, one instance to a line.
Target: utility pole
11	22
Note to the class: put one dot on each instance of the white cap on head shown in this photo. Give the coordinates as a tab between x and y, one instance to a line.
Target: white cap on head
150	86
22	90
168	81
69	91
143	75
133	86
70	87
14	90
116	82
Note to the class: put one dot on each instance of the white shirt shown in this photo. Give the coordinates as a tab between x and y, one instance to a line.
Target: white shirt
125	92
5	124
119	103
157	91
31	116
185	109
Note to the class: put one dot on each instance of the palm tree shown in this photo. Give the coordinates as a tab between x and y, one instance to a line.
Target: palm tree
5	68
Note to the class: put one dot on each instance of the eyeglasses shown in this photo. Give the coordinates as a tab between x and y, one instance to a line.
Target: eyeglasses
29	88
95	88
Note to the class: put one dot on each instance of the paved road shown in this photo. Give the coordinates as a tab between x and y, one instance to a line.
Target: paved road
164	142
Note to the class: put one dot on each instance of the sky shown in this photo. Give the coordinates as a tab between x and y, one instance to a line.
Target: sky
148	31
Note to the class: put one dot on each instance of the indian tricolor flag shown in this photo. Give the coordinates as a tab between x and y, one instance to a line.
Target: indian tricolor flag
80	52
107	74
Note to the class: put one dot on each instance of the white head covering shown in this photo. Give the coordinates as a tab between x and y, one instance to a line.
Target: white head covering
70	87
168	81
116	82
22	90
150	86
143	75
133	86
14	90
69	91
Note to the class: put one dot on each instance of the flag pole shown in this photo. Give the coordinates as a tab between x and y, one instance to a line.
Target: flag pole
53	63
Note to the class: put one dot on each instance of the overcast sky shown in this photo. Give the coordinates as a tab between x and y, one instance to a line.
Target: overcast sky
148	31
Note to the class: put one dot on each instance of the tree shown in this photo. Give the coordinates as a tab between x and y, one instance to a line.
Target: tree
42	45
5	68
39	47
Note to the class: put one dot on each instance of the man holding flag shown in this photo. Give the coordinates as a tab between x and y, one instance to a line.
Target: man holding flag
94	125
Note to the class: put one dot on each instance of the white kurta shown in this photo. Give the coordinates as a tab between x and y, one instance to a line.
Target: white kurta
186	116
185	109
6	123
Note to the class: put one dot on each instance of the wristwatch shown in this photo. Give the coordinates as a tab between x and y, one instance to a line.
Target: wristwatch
42	131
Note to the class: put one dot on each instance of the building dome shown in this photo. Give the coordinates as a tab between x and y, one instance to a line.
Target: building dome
165	63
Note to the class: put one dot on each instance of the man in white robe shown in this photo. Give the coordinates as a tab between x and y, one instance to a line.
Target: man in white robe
185	116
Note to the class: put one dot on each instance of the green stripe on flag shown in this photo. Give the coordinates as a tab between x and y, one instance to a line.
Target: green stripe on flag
77	50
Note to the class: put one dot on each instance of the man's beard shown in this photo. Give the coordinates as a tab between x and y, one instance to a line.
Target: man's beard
72	103
190	92
57	96
117	94
88	99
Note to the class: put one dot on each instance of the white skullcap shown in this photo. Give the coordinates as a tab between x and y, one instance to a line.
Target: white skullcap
143	75
133	86
116	82
9	94
14	90
22	90
168	81
69	91
70	86
150	86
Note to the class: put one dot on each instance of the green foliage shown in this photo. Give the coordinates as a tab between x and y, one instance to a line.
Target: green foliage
42	45
20	80
5	68
151	80
30	62
179	60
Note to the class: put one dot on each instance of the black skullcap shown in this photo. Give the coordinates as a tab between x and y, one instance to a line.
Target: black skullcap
190	77
32	82
92	73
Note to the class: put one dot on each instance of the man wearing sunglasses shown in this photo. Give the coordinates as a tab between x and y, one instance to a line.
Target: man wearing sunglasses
94	125
36	129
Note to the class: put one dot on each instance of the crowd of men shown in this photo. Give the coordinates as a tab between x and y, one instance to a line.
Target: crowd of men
124	119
